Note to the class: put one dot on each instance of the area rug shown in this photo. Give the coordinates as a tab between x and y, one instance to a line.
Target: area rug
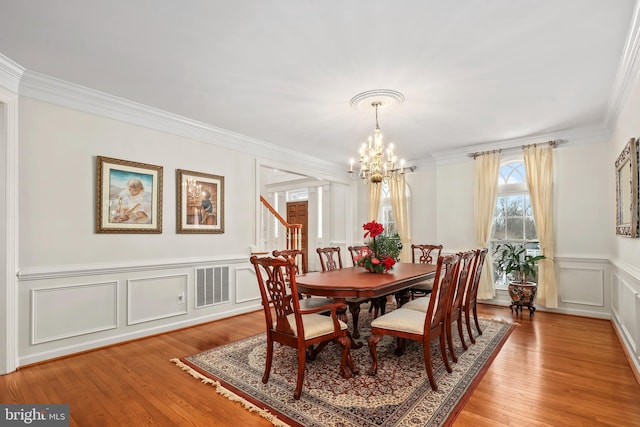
400	394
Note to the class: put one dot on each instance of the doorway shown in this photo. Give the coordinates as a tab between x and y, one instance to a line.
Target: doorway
298	213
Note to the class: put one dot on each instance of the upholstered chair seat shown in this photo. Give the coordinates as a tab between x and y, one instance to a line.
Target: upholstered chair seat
315	325
314	302
418	304
425	287
402	319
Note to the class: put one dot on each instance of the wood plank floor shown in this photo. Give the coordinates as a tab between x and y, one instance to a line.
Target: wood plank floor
554	370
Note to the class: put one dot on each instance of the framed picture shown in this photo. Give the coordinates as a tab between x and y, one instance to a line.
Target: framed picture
628	191
128	197
200	204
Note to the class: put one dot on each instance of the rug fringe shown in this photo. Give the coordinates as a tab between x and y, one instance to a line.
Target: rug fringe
498	319
230	395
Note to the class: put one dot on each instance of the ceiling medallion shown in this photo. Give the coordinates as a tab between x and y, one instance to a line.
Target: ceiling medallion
385	98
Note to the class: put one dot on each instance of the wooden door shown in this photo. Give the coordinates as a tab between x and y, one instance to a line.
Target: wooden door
297	213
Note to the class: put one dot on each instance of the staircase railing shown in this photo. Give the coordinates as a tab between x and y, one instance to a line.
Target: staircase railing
293	238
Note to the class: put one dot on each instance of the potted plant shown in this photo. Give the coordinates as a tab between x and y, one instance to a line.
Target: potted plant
514	261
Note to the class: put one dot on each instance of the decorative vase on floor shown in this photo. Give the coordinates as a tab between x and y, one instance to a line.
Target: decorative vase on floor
523	295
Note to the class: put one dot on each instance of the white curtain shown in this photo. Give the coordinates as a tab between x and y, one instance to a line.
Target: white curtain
539	165
398	193
485	197
375	191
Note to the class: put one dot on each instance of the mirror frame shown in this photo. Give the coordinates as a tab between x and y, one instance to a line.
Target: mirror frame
627	190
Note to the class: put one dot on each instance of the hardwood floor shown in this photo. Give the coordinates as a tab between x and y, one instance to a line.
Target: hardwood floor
554	370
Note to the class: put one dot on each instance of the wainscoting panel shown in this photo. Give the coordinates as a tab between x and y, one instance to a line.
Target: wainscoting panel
628	313
156	298
246	284
88	308
582	286
68	309
626	310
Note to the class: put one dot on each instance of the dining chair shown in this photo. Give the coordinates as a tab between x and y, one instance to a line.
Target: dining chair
424	254
470	302
288	324
378	305
306	301
455	305
330	259
423	327
456	301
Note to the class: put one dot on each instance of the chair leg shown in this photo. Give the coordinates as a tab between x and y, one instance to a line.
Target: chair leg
467	320
267	365
354	308
475	318
443	352
426	349
449	336
302	357
346	362
381	304
373	350
401	345
464	342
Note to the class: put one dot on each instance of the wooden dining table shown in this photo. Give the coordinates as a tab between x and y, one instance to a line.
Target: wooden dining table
356	282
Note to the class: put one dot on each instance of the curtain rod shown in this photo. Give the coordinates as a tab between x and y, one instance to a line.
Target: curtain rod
480	153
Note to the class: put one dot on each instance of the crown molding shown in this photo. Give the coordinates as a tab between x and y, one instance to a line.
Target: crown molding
588	135
627	71
58	92
10	74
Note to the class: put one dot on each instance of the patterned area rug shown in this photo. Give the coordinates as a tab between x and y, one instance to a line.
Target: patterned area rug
399	395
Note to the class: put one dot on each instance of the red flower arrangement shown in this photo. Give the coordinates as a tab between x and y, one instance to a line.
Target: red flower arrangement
382	251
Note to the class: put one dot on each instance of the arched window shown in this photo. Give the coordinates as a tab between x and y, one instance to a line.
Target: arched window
513	217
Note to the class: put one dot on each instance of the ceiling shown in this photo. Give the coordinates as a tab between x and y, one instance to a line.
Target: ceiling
473	72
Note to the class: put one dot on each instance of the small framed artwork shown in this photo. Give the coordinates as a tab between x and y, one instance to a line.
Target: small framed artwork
200	204
128	196
628	190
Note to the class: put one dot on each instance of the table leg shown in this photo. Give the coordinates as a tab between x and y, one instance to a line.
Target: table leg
341	314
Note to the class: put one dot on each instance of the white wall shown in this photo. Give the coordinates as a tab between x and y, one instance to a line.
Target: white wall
442	212
626	251
423	185
58	149
78	289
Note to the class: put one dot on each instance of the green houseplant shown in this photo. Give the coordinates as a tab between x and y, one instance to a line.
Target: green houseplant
514	261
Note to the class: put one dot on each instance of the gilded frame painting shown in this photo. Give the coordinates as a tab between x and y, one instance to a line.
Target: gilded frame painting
628	190
200	202
128	196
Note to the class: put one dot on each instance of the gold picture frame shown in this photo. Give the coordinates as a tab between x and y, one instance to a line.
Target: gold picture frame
200	202
627	190
128	196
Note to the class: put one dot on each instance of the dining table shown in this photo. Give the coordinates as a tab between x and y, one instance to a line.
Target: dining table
357	282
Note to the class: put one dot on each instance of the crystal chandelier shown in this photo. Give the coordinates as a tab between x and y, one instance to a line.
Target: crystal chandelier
378	163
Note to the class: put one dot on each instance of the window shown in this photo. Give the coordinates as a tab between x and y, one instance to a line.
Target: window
387	219
513	218
298	195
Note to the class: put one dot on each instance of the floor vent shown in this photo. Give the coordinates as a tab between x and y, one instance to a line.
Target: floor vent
212	286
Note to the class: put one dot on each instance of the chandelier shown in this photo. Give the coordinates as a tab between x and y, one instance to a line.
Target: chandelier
378	163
